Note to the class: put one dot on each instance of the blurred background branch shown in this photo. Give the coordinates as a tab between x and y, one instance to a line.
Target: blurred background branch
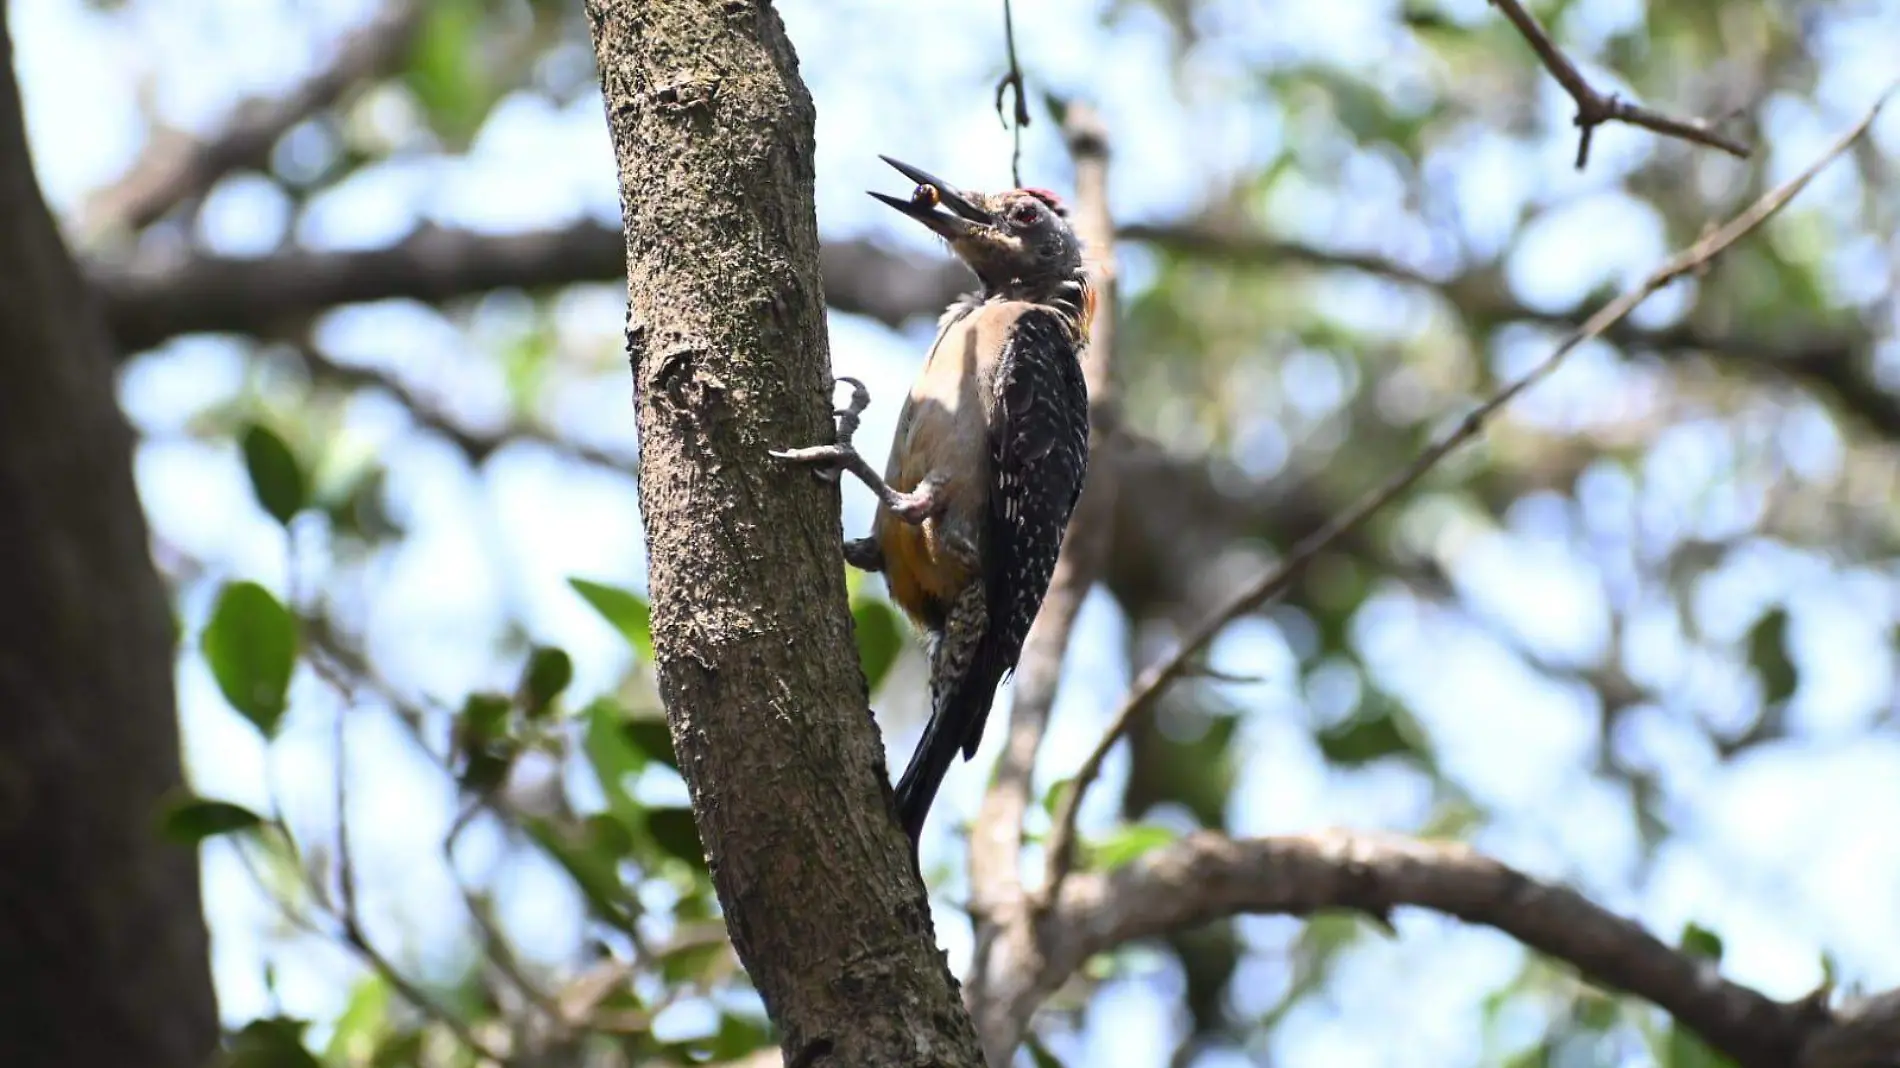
1594	108
176	167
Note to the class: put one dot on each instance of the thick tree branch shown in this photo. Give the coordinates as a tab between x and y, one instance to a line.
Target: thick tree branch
1209	876
1593	108
1864	1034
1005	927
755	662
149	303
1158	676
1831	364
177	167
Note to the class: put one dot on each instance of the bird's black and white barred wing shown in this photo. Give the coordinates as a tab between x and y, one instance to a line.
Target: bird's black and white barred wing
1039	454
1039	450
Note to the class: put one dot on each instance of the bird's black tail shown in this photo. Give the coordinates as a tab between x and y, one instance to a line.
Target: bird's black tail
956	723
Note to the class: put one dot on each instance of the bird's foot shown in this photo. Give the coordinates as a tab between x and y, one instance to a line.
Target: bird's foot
827	461
916	506
865	554
913	507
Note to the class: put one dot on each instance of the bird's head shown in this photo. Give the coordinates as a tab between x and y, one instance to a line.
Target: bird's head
1018	242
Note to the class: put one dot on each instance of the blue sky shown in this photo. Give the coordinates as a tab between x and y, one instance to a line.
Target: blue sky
1787	852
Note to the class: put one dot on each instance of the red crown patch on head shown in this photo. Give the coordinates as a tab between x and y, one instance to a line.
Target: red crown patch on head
1055	202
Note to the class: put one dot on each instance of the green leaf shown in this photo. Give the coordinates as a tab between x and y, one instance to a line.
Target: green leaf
1768	654
651	736
190	820
673	831
447	72
626	610
1455	817
484	718
880	638
615	759
1687	1050
621	1013
738	1036
608	836
1596	1011
251	645
1699	941
548	673
1039	1053
399	1051
1052	797
276	477
592	862
272	1043
1057	106
1127	844
1192	763
360	1030
1541	1055
484	742
487	768
692	962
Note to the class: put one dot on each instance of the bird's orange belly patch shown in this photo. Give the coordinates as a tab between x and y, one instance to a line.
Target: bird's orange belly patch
923	578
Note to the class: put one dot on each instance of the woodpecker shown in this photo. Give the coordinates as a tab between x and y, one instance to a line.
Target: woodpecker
989	457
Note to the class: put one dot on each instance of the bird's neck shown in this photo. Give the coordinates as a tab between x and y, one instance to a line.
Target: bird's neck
1070	296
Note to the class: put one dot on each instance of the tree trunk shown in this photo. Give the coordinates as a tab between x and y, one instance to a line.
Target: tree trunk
103	957
713	133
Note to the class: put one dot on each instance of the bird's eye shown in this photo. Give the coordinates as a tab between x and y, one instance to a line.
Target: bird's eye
1024	214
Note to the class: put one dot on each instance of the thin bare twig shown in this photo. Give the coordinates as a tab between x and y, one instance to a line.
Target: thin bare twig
1013	82
476	446
1151	682
495	942
374	960
176	168
347	915
345	864
384	968
1594	108
1005	929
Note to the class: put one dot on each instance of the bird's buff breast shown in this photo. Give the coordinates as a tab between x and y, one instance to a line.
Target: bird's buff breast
941	434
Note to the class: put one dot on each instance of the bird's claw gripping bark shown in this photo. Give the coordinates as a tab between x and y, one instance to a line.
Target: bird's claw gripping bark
828	461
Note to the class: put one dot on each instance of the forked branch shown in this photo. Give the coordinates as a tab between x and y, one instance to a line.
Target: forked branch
1594	108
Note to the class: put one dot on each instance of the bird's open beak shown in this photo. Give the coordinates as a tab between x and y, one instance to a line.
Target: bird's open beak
937	204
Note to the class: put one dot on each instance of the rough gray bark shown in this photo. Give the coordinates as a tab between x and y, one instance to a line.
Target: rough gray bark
713	133
102	936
